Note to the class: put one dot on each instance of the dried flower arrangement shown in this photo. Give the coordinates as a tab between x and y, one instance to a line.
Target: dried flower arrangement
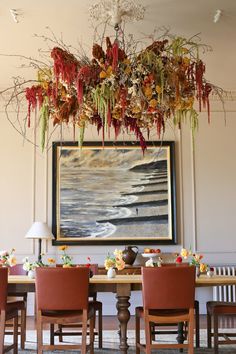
122	87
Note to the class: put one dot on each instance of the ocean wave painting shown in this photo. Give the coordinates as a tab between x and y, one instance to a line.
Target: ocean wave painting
113	194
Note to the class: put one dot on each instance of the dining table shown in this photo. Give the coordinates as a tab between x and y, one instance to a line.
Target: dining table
122	286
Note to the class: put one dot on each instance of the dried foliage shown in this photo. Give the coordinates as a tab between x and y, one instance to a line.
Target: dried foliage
120	87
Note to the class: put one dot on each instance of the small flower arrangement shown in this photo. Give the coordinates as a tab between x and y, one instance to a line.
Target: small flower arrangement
7	259
194	259
66	259
27	265
116	261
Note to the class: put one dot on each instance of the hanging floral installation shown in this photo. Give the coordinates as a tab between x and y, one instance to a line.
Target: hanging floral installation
119	89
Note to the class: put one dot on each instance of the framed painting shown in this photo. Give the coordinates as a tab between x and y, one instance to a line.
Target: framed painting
114	194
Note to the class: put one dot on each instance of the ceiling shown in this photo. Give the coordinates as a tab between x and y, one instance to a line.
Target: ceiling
70	19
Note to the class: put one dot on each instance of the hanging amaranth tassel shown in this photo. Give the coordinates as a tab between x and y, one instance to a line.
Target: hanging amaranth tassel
80	91
115	52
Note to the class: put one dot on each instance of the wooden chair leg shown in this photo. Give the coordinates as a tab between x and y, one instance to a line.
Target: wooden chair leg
208	330
91	334
191	333
148	337
23	329
39	333
137	331
2	330
197	324
60	328
15	334
52	333
100	328
153	331
84	332
215	326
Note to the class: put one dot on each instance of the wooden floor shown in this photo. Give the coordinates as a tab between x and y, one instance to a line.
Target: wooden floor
111	322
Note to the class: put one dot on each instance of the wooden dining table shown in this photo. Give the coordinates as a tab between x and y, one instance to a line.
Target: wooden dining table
122	286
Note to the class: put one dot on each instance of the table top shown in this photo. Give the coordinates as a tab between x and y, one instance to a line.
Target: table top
202	281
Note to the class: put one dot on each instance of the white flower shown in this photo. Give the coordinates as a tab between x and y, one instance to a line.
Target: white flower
149	263
4	253
26	266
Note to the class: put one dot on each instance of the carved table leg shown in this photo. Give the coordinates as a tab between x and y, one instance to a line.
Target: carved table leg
123	315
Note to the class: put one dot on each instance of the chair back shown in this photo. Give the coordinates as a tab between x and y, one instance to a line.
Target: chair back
3	287
94	268
62	288
168	287
17	270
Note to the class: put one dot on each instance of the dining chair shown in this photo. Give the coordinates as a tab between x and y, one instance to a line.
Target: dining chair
215	310
62	298
98	311
168	297
181	336
22	295
8	311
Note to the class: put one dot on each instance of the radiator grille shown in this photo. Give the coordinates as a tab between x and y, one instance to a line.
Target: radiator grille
227	292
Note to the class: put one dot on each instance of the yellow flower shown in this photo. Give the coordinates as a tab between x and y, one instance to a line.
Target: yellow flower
203	267
109	71
63	248
51	261
184	253
103	75
109	263
148	92
153	103
158	89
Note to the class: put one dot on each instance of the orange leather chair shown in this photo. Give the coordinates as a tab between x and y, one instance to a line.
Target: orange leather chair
98	310
182	333
18	270
168	297
8	311
62	298
216	309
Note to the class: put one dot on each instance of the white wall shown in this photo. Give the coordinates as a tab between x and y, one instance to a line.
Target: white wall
206	193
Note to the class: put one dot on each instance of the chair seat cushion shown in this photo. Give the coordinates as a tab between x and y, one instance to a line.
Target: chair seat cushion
69	314
15	305
163	313
221	307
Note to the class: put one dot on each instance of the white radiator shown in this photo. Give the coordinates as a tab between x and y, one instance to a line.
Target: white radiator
227	292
